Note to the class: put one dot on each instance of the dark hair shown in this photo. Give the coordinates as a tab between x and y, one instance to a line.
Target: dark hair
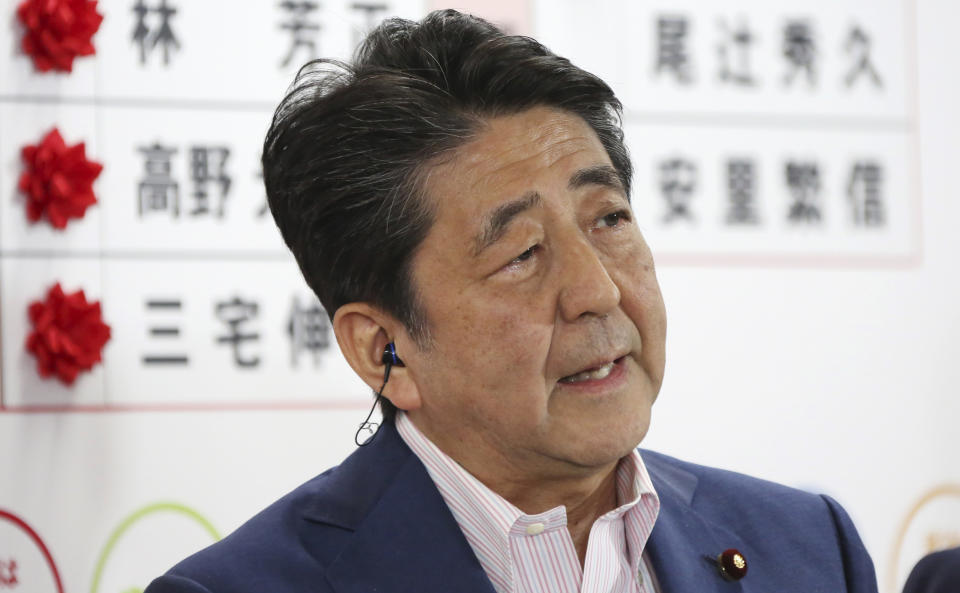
344	157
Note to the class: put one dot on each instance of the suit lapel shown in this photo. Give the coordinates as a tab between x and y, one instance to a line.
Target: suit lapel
683	543
405	538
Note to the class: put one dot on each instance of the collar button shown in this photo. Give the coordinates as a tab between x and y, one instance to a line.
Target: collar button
535	528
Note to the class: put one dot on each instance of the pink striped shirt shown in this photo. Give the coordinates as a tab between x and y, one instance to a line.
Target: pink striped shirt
534	553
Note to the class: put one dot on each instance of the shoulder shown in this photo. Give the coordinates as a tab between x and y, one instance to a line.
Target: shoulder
734	498
268	539
778	521
289	545
699	484
938	572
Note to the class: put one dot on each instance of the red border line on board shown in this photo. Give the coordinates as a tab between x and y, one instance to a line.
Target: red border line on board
668	259
186	407
39	542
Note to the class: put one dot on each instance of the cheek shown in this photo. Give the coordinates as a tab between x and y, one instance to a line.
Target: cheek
651	298
652	322
493	377
517	344
500	346
642	299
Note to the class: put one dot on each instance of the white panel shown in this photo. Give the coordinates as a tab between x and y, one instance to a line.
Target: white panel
185	181
701	209
26	125
695	33
19	78
222	52
24	280
232	342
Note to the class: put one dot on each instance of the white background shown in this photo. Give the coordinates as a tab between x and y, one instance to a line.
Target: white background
833	374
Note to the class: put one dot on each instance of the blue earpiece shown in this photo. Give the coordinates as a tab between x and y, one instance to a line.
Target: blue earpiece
390	360
390	356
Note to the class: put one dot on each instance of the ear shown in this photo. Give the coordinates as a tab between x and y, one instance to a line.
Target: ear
363	331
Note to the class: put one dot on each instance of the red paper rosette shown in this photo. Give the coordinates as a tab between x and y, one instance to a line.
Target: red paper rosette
57	31
58	180
68	334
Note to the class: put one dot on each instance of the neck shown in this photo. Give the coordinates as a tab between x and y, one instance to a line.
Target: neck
585	499
534	486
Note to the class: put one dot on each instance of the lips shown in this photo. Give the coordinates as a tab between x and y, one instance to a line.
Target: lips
596	372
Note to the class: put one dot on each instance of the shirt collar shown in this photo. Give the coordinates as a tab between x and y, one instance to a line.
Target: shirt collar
487	519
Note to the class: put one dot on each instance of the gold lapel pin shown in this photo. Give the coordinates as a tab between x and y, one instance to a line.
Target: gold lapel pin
732	564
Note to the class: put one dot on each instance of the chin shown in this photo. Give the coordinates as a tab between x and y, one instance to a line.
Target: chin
603	447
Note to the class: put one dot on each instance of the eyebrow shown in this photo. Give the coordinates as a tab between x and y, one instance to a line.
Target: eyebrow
496	223
603	175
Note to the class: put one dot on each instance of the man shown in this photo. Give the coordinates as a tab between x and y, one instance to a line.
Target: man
460	199
937	572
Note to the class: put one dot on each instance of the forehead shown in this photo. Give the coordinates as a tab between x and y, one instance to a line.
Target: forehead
534	150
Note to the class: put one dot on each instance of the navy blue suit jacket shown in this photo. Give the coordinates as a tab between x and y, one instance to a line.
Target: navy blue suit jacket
938	572
377	523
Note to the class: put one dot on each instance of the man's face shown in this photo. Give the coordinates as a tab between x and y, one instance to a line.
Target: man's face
546	321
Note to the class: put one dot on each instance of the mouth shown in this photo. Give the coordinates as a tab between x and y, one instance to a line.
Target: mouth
595	373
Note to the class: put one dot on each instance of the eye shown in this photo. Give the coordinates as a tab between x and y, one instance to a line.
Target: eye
523	261
614	219
530	251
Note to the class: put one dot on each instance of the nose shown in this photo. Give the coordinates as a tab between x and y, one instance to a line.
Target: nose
587	288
